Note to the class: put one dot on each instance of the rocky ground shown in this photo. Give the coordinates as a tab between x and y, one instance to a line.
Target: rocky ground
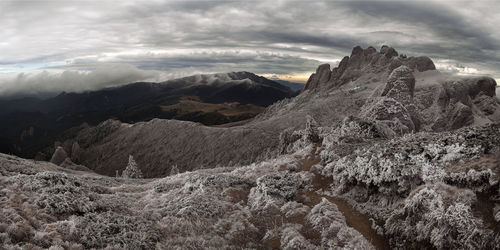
332	187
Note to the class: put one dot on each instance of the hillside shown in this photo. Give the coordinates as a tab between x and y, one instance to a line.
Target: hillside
362	85
30	125
425	190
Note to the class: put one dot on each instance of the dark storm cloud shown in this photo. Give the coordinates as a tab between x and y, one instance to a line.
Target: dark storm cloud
435	17
175	38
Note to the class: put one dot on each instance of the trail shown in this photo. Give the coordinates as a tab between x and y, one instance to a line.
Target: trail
354	218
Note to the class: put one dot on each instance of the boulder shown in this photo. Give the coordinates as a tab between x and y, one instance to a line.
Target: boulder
76	152
59	156
322	75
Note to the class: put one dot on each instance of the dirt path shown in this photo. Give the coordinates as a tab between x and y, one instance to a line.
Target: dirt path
354	218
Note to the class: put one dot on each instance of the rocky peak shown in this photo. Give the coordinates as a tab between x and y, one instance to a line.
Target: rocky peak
389	52
362	61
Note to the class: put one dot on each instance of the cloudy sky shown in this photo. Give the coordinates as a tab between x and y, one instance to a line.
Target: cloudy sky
83	45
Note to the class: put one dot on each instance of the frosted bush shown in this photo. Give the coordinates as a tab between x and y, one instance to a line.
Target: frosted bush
285	185
101	230
237	228
294	209
66	199
440	215
324	214
403	163
292	239
60	193
476	180
335	233
201	181
193	206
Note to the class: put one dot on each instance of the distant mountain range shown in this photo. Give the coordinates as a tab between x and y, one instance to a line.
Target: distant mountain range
29	124
295	86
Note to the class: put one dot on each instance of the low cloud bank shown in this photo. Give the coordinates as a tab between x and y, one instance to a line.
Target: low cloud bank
48	82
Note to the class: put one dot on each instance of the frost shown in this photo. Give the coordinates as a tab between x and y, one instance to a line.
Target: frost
292	239
193	206
329	221
132	171
60	193
442	216
115	230
285	185
294	209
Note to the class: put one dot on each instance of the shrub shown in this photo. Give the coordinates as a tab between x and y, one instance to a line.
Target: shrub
439	215
194	206
285	185
100	230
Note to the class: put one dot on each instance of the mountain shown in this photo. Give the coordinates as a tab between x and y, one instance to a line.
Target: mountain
209	99
401	95
380	152
295	86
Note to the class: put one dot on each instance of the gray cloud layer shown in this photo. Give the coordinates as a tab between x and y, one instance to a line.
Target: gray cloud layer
104	43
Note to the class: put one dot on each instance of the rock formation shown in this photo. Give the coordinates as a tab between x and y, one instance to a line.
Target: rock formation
365	61
395	107
59	156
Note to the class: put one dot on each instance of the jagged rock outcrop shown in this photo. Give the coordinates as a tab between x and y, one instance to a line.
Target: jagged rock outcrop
458	103
395	108
363	61
76	152
59	156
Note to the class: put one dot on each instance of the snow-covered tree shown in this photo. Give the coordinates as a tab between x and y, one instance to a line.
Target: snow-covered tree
174	170
132	171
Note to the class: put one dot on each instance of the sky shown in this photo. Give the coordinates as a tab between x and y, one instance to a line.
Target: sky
53	46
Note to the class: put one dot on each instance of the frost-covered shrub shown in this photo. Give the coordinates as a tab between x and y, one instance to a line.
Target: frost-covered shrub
440	215
132	171
335	233
100	230
292	239
285	185
166	185
293	209
201	181
237	228
324	214
66	199
476	180
376	167
404	163
311	133
60	193
291	141
194	206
